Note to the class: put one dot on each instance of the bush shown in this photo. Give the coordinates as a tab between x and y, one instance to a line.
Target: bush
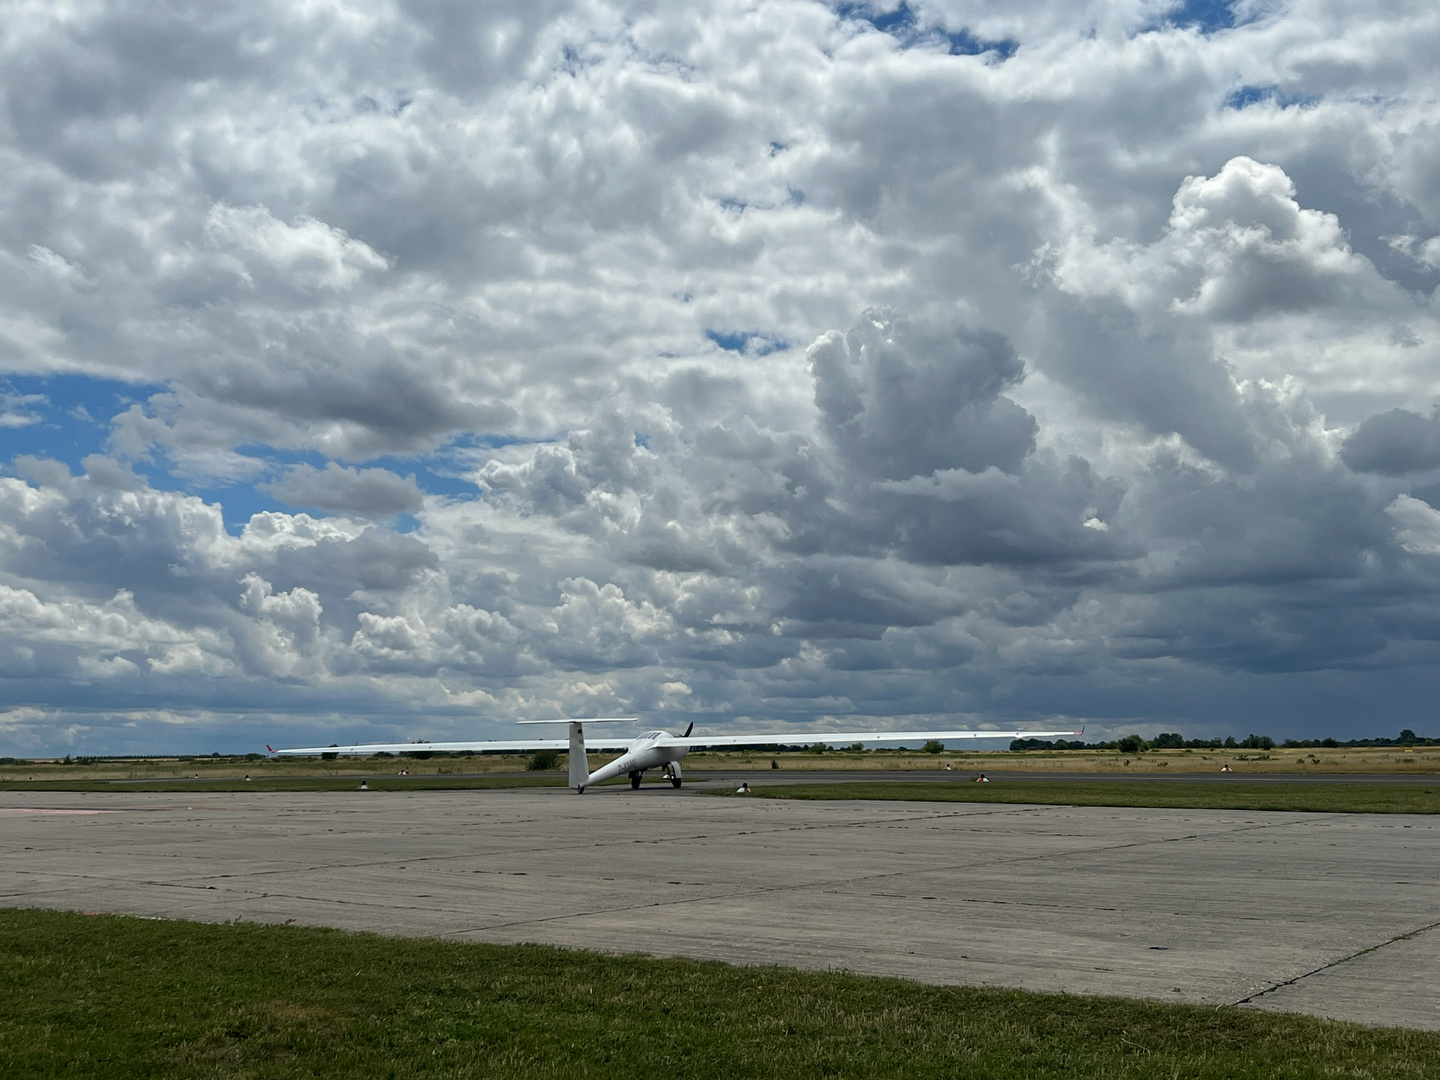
1131	744
1036	744
933	746
543	761
819	748
857	747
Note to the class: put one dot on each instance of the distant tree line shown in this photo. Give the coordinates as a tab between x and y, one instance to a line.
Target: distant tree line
1129	744
1173	740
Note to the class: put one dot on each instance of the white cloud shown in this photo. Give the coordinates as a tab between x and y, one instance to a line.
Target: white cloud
306	254
1424	252
1417	526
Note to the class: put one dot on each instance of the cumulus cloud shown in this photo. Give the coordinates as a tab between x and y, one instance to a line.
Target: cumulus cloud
900	401
367	492
1394	443
791	364
306	255
1237	246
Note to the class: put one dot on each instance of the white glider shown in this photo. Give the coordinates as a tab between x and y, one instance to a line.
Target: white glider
654	749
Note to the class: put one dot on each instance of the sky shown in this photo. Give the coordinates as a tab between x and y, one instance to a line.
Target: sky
393	370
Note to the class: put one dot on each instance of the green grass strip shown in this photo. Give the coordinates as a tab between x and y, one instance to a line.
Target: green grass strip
117	997
1350	798
299	783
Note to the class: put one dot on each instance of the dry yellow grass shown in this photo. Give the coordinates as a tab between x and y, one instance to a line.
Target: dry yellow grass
1318	761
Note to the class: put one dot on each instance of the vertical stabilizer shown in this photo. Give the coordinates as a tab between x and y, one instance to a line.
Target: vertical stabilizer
579	763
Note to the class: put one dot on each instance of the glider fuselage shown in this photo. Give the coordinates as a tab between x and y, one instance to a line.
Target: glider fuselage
653	750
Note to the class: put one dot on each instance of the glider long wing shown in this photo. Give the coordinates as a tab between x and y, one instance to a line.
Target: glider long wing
835	738
599	743
596	742
610	742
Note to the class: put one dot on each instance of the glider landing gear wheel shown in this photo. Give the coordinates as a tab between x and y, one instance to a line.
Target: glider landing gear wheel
580	790
674	781
634	781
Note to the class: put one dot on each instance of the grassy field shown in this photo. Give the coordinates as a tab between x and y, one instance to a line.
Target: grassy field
1320	797
1311	762
1317	762
1236	794
294	783
118	997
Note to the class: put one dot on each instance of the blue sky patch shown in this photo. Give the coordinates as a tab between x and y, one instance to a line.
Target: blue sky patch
965	43
751	342
902	24
1208	15
1251	95
64	417
68	417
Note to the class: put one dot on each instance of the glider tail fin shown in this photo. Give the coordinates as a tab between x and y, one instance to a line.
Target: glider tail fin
579	763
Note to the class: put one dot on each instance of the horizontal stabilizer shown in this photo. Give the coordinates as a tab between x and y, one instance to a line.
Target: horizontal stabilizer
586	720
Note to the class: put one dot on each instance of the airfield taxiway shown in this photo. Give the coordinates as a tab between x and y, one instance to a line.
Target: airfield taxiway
1331	914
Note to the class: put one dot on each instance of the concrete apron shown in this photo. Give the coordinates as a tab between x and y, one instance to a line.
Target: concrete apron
1335	915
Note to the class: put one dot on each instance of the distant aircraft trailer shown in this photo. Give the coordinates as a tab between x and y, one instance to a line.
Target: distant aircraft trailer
652	750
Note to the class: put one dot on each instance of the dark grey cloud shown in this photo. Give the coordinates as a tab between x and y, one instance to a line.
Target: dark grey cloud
1394	443
901	400
367	492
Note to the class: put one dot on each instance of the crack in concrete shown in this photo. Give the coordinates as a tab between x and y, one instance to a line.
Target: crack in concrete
1408	935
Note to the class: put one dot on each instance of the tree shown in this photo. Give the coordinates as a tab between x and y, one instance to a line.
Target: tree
1168	740
933	746
819	748
543	761
1132	744
857	747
